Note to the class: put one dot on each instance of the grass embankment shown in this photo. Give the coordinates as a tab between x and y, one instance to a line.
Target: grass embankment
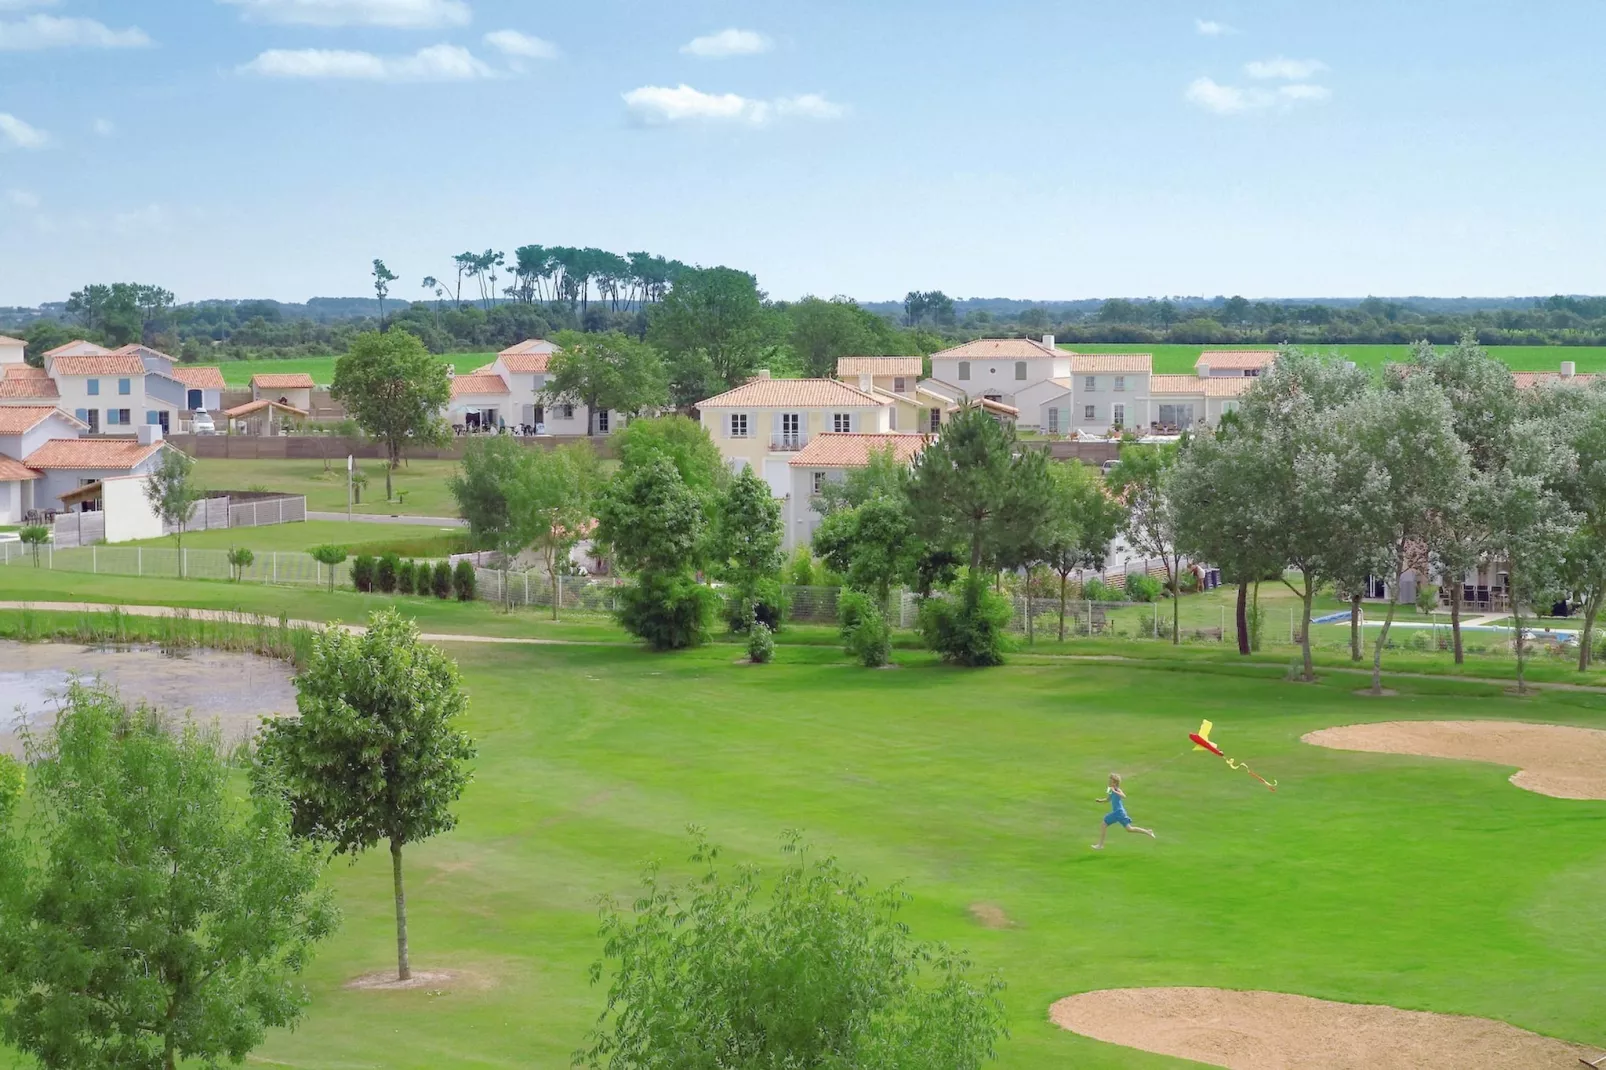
408	540
422	484
1179	359
1424	884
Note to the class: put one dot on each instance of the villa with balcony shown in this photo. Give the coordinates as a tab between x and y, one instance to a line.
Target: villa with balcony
764	422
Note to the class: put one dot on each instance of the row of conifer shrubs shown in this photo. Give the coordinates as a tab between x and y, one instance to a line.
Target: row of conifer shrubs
389	574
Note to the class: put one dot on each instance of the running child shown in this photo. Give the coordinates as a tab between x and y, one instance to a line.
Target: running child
1117	814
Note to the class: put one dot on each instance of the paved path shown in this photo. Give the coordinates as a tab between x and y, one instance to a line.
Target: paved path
386	518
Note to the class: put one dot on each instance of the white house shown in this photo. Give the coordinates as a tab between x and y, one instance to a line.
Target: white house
763	422
77	348
66	464
12	351
828	458
1234	363
1108	391
999	369
524	400
287	388
106	391
480	400
23	430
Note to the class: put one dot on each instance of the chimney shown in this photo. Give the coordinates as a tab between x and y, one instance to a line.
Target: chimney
1568	369
451	371
866	382
762	373
149	434
1204	369
1048	341
1350	365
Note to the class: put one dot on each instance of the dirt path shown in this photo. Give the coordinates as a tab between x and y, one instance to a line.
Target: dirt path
1557	760
1277	1031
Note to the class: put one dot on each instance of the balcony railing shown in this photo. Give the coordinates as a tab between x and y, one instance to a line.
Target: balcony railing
788	441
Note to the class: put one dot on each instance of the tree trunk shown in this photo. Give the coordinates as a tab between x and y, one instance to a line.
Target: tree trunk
552	572
1031	637
1062	606
1516	617
1254	640
1304	638
404	971
1355	627
975	553
1176	603
1377	651
1587	635
1455	618
1240	618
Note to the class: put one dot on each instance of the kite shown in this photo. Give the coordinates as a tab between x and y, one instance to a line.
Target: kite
1201	741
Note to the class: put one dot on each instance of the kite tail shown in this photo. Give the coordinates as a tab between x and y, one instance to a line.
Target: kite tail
1270	784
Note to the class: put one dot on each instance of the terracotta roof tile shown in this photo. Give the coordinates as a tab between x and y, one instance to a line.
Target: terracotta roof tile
6	339
988	404
535	346
1000	349
74	344
34	389
906	366
25	371
1227	386
111	453
134	349
283	381
1082	363
108	364
1526	380
832	450
525	363
202	378
11	469
478	384
802	393
1190	385
18	419
262	403
1237	359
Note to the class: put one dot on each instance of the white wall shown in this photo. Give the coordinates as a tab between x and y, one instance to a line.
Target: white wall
77	400
12	352
128	513
998	376
10	501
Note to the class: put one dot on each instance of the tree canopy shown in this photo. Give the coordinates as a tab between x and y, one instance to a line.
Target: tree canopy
395	391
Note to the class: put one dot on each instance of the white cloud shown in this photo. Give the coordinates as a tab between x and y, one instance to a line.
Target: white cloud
656	105
1288	70
104	128
50	31
1211	28
397	14
437	63
521	45
732	42
20	134
1212	96
21	198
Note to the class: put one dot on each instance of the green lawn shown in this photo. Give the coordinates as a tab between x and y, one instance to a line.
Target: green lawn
237	373
423	483
1179	359
416	540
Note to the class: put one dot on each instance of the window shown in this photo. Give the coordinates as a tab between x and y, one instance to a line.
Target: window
791	430
1020	369
1118	415
93	420
899	385
94	387
1087	412
892	418
123	386
1090	384
117	416
193	400
602	422
842	422
152	416
936	420
1120	382
1176	415
819	482
566	411
964	371
738	425
82	414
1053	421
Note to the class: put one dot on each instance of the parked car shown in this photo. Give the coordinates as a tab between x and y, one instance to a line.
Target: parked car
1108	466
202	423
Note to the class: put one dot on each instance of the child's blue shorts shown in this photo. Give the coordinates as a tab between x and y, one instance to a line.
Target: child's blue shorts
1112	818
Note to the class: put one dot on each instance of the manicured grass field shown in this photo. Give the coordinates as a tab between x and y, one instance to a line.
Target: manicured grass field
237	373
423	483
1179	359
356	536
1424	884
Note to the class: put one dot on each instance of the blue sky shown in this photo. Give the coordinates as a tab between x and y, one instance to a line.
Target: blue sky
242	148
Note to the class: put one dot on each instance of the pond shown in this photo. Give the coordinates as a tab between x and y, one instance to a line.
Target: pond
233	693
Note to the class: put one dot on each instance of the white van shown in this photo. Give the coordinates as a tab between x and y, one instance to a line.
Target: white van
201	423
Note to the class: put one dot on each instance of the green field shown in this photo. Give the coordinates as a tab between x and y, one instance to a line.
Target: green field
237	373
422	482
412	539
1179	359
1423	884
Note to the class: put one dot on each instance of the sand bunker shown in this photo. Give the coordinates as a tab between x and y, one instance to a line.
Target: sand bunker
1551	759
1275	1031
433	980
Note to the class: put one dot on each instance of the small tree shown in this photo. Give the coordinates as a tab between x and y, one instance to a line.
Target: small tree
404	577
376	753
240	559
331	556
173	492
442	580
760	643
395	391
1080	523
607	372
967	628
653	524
464	581
813	971
385	572
34	536
148	916
746	551
1143	480
549	503
362	572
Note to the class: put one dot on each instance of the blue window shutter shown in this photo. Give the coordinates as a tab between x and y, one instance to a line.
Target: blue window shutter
94	387
82	414
122	386
152	416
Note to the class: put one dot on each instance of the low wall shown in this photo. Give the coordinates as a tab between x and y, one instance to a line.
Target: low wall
1089	451
319	447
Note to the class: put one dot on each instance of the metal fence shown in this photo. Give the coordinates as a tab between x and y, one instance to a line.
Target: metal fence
268	567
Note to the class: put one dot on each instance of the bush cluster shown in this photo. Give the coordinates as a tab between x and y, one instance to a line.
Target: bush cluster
865	634
967	628
670	611
1143	588
390	574
760	643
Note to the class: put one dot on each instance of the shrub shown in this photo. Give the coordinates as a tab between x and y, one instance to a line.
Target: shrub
362	572
1142	588
1099	591
463	581
851	608
404	577
870	640
800	569
443	579
764	603
240	559
671	611
968	627
34	536
760	643
385	573
1188	581
328	555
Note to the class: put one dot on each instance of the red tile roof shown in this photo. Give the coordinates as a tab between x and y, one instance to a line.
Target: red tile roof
478	384
76	343
263	403
30	388
526	363
20	419
25	371
1236	359
6	339
134	349
802	393
109	453
13	469
1226	386
109	364
283	381
1082	363
1525	380
201	378
1000	349
905	366
833	450
530	346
